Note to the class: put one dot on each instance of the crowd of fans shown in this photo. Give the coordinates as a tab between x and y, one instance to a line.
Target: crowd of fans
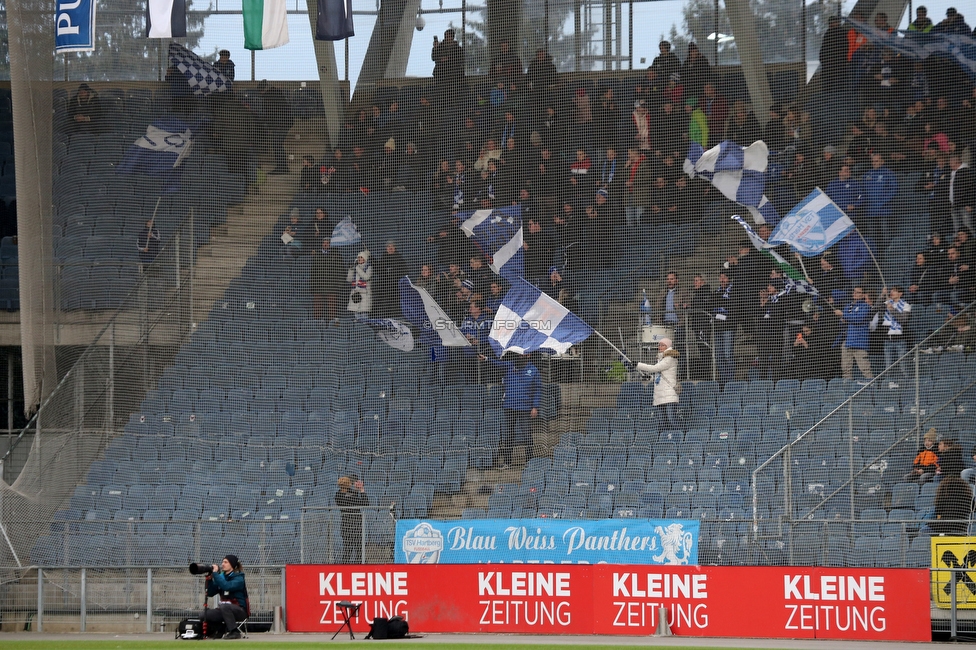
590	173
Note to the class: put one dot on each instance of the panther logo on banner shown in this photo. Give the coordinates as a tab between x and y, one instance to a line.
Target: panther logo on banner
423	544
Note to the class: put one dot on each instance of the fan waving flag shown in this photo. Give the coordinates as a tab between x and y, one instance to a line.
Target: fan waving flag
166	18
793	278
529	320
813	226
345	233
334	21
498	234
201	76
738	173
160	152
265	24
420	308
391	331
165	145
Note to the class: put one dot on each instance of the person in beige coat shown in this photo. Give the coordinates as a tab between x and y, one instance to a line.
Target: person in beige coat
666	386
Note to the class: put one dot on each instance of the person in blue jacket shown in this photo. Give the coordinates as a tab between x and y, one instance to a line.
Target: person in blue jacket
880	188
227	583
846	191
523	397
857	316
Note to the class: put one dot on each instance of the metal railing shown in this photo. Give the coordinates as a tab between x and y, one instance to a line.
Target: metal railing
782	461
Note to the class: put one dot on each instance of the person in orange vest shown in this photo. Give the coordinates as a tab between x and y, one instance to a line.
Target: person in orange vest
926	461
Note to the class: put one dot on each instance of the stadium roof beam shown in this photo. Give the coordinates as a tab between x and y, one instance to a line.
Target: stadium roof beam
502	21
743	25
389	44
332	91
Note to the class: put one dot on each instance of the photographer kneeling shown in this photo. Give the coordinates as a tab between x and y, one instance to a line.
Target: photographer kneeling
227	583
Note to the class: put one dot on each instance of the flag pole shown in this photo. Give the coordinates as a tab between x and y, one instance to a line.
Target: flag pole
616	349
884	282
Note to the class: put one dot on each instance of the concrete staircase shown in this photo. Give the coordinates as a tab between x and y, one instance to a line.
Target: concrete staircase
232	243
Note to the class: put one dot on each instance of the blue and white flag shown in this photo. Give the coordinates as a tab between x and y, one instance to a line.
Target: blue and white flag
201	76
813	226
391	331
961	48
498	234
529	320
74	29
166	144
420	308
737	172
345	233
166	18
792	279
334	21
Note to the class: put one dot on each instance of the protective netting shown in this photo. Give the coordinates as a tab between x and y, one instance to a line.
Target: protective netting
233	396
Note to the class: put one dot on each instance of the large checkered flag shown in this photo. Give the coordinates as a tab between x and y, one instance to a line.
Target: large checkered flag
201	76
529	320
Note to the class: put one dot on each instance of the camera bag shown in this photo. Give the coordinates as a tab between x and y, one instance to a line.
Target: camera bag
190	628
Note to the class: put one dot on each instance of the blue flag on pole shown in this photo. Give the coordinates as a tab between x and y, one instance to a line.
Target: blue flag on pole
201	76
813	226
391	331
160	152
739	173
498	234
529	320
420	308
961	48
334	21
345	233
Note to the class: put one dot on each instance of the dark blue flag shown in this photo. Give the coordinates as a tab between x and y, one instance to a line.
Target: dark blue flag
335	20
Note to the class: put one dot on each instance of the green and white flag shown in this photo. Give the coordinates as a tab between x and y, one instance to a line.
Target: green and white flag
265	24
794	279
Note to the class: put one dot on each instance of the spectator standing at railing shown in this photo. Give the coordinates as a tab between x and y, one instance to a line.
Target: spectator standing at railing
880	188
922	22
277	119
351	499
448	61
895	314
723	311
360	278
389	268
522	401
327	281
854	347
224	65
666	62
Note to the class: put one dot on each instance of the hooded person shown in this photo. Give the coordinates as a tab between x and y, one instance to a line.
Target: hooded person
360	277
667	388
227	583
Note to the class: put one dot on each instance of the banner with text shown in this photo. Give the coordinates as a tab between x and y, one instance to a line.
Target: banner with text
74	29
560	541
755	602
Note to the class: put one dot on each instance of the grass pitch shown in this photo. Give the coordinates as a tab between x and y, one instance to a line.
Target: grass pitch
253	644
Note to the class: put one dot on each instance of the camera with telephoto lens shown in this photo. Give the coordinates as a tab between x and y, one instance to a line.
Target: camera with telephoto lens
201	568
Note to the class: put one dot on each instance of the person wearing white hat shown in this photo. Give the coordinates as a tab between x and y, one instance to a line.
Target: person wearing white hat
666	386
360	277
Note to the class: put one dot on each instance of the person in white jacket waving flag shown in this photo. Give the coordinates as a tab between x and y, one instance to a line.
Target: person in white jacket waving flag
666	386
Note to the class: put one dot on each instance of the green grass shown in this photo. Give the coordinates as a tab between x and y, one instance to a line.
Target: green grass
253	644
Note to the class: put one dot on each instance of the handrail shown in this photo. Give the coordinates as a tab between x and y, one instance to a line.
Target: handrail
787	448
173	243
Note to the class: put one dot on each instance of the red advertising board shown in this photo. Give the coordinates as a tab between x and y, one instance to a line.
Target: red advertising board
753	602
